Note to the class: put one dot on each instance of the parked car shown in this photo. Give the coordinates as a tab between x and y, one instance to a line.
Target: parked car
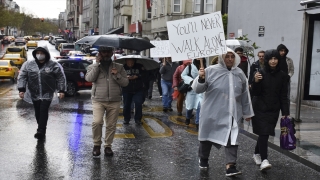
32	44
75	70
20	41
65	48
16	58
5	40
58	42
46	38
17	50
8	70
53	42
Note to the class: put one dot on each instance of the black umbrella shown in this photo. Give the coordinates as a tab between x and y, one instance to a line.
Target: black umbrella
148	63
116	41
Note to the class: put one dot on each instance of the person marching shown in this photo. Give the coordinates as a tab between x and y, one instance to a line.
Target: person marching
226	101
38	80
269	91
107	78
193	99
134	92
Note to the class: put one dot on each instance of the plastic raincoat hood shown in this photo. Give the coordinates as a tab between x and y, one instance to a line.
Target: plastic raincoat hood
226	100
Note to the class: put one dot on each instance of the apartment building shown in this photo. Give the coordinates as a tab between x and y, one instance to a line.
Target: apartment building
90	17
74	18
148	18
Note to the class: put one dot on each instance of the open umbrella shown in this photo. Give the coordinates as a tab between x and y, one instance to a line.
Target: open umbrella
116	41
148	63
234	43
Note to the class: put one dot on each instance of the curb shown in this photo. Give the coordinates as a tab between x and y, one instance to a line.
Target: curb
285	152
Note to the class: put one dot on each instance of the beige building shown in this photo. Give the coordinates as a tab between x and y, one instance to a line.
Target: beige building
148	18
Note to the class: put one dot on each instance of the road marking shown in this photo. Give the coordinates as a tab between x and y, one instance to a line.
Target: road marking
152	134
175	120
124	136
4	91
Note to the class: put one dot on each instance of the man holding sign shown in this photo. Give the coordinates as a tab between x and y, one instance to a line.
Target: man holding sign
226	100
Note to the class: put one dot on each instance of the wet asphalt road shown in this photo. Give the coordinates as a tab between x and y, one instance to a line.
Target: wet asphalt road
163	148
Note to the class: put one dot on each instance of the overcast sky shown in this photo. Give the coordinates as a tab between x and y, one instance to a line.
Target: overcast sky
42	8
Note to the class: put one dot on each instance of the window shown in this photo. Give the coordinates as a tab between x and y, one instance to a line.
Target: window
176	6
162	6
149	13
74	65
197	6
208	6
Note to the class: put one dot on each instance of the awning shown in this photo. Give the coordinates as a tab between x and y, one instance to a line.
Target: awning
118	30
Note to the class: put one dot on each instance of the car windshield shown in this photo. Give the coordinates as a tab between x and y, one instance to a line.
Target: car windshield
14	49
3	63
11	56
69	46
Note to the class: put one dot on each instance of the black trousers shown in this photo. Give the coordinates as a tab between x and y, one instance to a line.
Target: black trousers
41	109
262	146
231	151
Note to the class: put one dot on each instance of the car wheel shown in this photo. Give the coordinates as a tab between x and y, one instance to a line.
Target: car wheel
71	88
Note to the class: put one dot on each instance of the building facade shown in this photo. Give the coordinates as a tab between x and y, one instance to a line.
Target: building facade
105	12
74	19
283	26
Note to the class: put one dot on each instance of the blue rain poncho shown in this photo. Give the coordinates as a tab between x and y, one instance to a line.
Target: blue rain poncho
226	100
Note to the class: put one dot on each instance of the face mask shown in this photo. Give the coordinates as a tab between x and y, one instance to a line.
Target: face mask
40	57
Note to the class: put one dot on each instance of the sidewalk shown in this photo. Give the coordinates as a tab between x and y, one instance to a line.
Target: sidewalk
307	134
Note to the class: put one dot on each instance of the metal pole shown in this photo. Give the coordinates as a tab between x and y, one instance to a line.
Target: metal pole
302	65
201	7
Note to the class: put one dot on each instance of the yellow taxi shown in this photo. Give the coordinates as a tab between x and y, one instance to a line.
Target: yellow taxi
8	70
31	44
35	37
27	38
15	58
46	38
17	50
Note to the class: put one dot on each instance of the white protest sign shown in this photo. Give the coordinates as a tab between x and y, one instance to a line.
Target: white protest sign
197	37
161	49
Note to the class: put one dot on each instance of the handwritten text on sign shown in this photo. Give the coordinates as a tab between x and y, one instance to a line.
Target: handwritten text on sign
162	49
196	37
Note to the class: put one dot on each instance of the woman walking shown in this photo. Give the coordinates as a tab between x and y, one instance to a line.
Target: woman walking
269	97
192	99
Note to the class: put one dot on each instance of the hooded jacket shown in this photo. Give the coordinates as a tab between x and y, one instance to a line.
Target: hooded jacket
270	96
289	69
41	80
226	100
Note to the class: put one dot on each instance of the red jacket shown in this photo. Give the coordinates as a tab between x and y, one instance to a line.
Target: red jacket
177	74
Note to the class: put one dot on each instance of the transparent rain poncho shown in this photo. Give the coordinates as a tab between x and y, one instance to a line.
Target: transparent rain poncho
43	83
226	100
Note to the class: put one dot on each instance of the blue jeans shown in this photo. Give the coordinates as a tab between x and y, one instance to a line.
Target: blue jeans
137	98
189	113
167	91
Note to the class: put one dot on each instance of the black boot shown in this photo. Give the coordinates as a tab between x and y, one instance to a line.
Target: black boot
187	121
39	135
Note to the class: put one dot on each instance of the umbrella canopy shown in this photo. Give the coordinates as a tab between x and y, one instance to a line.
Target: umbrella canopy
234	43
148	63
116	41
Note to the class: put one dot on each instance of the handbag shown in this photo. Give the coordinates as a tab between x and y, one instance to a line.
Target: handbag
287	137
183	87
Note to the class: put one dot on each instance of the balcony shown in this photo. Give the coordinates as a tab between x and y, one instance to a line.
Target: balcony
126	10
116	4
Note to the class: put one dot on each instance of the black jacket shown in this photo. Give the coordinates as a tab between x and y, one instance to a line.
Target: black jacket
283	60
136	84
269	97
253	69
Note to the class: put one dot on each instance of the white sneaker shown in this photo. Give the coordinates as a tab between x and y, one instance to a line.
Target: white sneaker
257	159
265	165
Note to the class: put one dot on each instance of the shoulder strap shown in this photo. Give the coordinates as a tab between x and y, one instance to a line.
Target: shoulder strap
189	74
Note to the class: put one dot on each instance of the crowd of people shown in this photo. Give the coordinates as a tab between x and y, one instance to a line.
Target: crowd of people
222	93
